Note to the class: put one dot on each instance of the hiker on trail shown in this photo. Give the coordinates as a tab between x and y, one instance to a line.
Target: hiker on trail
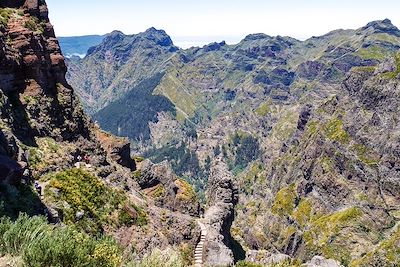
86	158
38	188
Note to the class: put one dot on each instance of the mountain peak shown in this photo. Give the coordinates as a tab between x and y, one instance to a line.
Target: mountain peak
116	32
256	36
154	30
382	26
113	37
158	36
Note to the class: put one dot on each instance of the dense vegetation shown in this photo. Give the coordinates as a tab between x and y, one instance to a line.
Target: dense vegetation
40	244
16	199
75	191
245	149
130	116
35	243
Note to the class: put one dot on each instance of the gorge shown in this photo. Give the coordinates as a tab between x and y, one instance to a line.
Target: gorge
269	152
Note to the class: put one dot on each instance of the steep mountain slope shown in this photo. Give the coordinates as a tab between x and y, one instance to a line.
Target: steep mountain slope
253	86
119	63
333	189
308	128
85	179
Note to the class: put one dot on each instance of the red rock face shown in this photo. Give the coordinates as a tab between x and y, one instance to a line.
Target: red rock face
31	61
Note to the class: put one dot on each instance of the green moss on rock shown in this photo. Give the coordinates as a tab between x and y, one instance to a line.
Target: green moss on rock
335	131
284	202
396	72
326	235
365	154
5	15
302	214
386	254
263	109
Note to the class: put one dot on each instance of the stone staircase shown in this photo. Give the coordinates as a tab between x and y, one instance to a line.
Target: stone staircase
198	253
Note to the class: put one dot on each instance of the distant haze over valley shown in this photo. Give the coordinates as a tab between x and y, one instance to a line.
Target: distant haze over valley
78	45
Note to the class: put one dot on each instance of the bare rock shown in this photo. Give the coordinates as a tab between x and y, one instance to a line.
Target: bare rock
222	196
168	191
118	149
319	261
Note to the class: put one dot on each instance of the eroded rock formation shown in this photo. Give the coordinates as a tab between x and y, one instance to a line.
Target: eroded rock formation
222	196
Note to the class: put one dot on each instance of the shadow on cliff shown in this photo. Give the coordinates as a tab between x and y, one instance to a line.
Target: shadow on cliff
237	249
19	199
21	126
131	114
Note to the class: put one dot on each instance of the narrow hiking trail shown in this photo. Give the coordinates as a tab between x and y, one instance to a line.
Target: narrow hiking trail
198	252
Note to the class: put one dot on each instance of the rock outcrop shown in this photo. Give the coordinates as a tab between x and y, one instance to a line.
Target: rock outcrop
36	100
118	149
222	196
46	137
167	190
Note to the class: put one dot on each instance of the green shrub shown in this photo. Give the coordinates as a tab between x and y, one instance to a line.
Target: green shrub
5	14
16	199
76	190
40	244
334	130
284	202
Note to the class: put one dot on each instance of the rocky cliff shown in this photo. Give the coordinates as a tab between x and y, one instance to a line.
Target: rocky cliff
36	100
332	190
84	177
222	197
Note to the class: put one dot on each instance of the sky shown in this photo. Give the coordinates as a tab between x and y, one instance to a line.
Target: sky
199	22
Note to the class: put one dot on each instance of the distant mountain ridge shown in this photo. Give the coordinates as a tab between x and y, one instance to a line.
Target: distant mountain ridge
79	45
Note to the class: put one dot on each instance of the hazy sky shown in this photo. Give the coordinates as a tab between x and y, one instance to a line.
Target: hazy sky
207	20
